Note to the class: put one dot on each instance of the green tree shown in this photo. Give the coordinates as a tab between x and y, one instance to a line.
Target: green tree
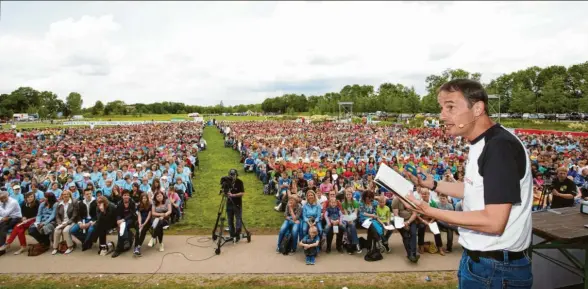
98	108
74	104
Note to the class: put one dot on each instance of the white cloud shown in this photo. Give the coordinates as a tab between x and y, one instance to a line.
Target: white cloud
241	52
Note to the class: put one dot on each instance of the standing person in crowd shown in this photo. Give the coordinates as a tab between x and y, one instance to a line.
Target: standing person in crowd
29	212
497	192
65	217
144	221
10	215
42	228
161	211
235	206
126	219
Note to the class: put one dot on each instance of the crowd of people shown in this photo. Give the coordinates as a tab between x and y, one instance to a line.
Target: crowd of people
78	185
322	176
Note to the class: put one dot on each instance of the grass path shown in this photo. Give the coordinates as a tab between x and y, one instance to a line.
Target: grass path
215	162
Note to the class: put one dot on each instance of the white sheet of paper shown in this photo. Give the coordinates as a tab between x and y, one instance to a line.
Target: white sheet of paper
389	228
123	225
434	228
350	218
398	222
155	222
367	223
391	180
336	229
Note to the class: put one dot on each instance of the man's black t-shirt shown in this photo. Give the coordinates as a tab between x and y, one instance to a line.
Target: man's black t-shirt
566	187
237	188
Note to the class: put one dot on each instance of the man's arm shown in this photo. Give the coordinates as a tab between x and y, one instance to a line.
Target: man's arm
491	220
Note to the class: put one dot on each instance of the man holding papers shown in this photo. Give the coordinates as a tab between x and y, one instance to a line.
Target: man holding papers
495	225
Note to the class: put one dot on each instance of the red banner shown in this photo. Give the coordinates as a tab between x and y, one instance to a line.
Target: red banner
551	132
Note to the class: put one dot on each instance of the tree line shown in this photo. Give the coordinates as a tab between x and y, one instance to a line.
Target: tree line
553	89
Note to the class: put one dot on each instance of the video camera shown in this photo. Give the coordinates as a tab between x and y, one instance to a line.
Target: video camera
227	182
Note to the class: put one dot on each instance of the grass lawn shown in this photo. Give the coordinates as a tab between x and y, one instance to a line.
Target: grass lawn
411	280
215	162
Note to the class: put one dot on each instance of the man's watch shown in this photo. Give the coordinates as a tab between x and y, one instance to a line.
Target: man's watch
434	185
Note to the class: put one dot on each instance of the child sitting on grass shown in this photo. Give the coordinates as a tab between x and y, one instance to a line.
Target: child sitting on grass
310	244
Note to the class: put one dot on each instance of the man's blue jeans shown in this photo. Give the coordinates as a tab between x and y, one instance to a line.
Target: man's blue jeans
489	273
79	234
289	226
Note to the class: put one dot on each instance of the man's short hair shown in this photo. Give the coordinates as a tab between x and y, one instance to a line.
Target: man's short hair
472	90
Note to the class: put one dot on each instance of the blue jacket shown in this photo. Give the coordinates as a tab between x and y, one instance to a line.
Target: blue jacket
311	211
46	215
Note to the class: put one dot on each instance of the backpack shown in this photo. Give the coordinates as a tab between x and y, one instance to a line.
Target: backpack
373	255
36	250
285	244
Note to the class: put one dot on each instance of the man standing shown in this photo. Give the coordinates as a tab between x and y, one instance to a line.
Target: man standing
10	215
235	206
495	225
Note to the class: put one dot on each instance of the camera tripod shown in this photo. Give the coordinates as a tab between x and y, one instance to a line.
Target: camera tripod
217	232
545	193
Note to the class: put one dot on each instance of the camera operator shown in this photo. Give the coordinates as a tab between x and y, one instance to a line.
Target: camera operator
563	189
235	205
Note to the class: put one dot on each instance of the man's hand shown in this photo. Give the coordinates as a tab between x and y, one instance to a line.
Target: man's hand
418	181
5	219
230	195
421	207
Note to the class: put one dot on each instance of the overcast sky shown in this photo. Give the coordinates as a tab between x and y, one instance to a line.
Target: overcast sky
242	52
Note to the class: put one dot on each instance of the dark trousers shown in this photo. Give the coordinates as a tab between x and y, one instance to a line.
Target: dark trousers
41	238
409	239
234	218
126	235
140	237
373	237
421	228
449	229
5	226
99	233
339	241
158	231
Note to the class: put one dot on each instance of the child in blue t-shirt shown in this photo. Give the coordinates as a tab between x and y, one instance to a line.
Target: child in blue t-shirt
310	244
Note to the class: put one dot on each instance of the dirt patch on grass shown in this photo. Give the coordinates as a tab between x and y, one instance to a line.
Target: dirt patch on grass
355	280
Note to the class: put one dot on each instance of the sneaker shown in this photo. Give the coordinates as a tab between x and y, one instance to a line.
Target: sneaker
278	251
137	251
388	250
20	251
161	247
68	251
359	250
151	242
103	252
54	252
3	248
